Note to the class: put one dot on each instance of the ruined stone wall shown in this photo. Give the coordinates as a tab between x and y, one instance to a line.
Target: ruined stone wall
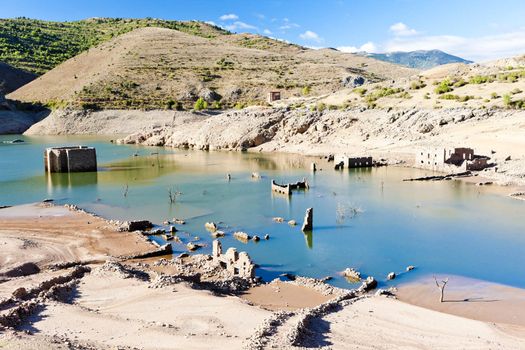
82	159
360	162
70	159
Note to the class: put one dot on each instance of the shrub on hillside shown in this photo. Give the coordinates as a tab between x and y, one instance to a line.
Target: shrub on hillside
306	90
443	87
480	79
200	104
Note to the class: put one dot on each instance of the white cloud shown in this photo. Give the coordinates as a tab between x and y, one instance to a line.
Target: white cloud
267	32
401	29
229	17
474	48
211	23
311	36
240	25
367	47
288	25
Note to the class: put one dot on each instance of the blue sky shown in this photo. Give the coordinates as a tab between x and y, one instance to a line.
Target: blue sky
474	29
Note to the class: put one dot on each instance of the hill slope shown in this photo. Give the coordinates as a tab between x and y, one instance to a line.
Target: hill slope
420	59
12	78
38	46
157	67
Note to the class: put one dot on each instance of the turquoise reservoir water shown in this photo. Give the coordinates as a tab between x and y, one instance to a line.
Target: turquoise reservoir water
367	219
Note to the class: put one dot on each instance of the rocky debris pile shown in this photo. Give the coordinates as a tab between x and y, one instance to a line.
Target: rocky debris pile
132	226
300	332
165	249
24	269
122	271
260	338
24	302
201	272
204	266
319	285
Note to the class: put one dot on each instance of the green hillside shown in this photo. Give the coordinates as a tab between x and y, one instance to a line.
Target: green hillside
38	46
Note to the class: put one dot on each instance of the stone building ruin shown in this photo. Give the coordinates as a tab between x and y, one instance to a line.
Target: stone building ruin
451	160
238	264
343	161
274	96
70	159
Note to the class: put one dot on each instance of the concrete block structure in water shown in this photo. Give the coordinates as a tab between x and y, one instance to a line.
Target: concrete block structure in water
70	159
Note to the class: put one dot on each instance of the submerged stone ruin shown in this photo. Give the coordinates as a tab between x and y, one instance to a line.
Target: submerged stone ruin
287	189
344	161
70	159
453	160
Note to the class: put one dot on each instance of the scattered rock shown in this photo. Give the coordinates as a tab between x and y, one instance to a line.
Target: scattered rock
369	284
278	219
241	236
391	276
193	247
256	238
266	236
352	274
410	268
353	81
218	234
292	223
211	226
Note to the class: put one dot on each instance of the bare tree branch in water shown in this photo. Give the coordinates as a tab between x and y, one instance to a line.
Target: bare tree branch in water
126	189
173	195
441	286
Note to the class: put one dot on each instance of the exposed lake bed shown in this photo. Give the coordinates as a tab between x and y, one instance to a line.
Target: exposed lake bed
383	223
367	219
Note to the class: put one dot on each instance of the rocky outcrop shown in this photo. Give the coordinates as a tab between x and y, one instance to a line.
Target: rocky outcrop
305	131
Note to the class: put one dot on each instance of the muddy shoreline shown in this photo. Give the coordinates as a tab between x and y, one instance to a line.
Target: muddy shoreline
81	256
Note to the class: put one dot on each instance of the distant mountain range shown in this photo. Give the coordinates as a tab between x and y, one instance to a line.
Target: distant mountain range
421	59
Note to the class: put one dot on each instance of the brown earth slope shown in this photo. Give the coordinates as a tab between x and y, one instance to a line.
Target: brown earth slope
155	68
12	78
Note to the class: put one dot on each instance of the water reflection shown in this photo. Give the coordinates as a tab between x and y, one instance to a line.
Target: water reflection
309	239
69	180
